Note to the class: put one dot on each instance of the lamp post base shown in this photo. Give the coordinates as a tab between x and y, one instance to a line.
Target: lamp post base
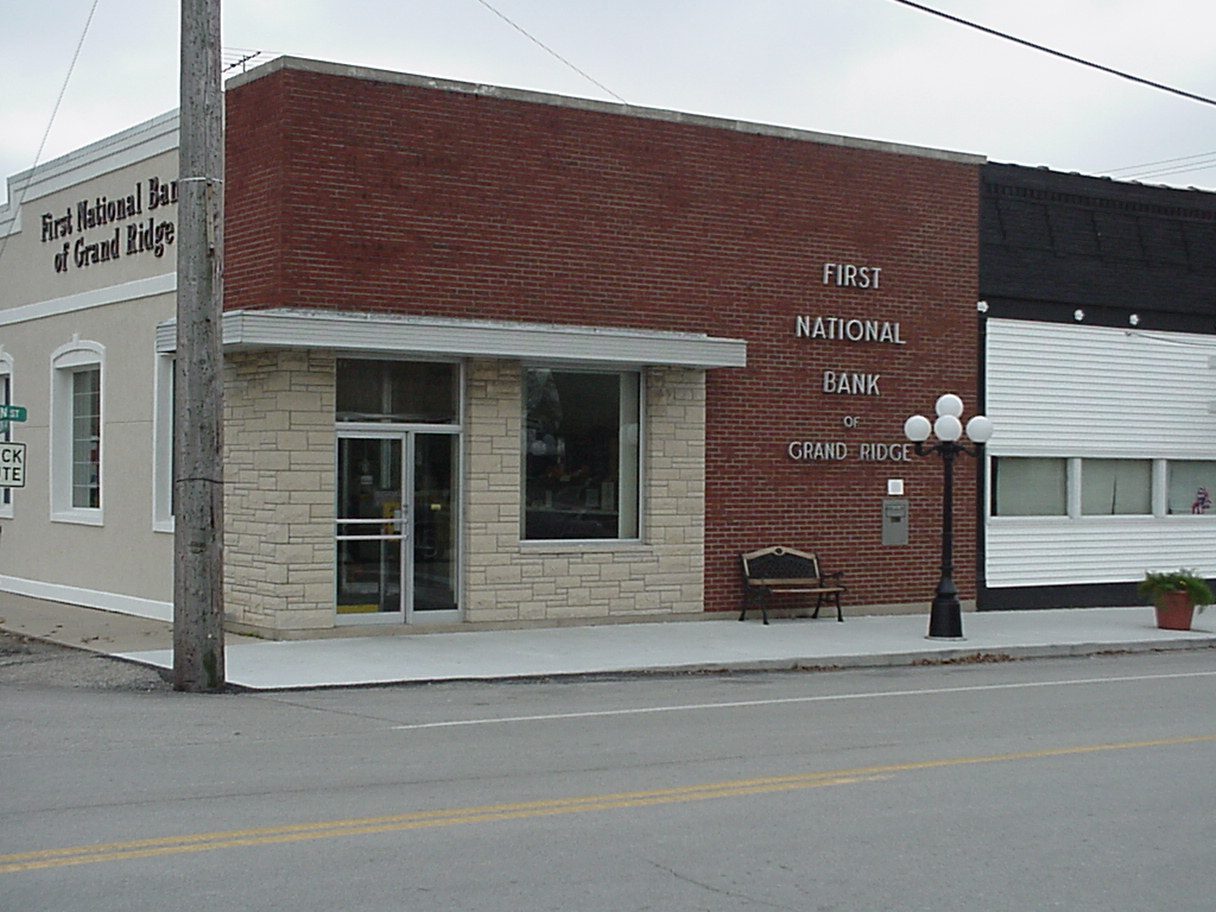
946	615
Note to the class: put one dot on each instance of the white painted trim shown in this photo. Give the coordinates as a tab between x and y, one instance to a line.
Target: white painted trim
162	443
99	297
89	598
398	335
65	360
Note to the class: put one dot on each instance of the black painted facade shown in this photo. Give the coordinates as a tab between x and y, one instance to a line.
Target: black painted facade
1051	243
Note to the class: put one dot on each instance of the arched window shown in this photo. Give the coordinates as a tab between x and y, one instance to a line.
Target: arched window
76	432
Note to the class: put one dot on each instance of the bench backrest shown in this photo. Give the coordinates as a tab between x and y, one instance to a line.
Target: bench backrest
780	563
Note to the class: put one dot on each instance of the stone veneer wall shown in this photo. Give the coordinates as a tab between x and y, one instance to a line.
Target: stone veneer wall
279	471
506	580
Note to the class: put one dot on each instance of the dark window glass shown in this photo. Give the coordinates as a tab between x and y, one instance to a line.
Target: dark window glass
580	455
86	438
396	391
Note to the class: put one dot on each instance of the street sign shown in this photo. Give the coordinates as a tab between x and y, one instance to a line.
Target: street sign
12	465
12	412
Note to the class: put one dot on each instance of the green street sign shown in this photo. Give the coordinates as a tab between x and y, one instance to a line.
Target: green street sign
12	412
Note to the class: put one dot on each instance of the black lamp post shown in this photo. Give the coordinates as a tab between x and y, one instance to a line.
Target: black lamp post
945	617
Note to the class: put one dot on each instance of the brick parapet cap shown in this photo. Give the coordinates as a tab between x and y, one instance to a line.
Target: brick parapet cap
346	71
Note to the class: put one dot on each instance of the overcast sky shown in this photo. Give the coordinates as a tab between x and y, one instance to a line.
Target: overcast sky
865	68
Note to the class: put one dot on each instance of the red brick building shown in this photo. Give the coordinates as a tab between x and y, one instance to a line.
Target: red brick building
448	291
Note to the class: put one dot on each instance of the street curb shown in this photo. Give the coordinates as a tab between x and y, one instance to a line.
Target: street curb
920	658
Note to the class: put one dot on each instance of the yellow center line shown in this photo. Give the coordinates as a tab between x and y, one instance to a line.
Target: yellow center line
333	829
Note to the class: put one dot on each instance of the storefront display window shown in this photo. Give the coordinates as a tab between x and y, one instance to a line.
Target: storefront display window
1029	486
1191	487
1116	487
580	455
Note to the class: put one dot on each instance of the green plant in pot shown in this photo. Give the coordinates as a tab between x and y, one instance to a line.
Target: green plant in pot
1176	594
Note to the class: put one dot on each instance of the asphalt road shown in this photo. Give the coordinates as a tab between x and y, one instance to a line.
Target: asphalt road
1079	784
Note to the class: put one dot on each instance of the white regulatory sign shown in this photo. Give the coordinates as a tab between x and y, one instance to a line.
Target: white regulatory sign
12	465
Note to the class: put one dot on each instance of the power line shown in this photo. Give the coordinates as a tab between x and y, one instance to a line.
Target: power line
1055	53
1168	172
14	203
550	50
1164	161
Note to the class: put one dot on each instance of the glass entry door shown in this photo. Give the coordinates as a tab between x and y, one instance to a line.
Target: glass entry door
397	530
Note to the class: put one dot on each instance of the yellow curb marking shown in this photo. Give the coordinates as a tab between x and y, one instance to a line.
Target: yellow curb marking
333	829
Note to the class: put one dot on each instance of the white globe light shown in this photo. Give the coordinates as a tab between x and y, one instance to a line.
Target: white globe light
979	429
949	404
917	428
948	428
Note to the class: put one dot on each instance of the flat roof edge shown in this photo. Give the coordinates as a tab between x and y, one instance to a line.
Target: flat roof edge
307	65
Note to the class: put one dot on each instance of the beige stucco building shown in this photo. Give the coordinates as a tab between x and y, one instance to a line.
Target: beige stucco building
86	273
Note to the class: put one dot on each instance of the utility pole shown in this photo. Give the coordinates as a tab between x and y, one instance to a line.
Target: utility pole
198	491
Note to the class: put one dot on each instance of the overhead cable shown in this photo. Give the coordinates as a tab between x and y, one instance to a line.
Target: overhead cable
14	203
1046	50
1164	161
1168	172
550	50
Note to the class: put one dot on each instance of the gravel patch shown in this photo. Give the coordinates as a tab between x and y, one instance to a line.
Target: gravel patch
33	663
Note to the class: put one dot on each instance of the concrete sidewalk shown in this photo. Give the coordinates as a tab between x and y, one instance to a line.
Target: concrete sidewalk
676	646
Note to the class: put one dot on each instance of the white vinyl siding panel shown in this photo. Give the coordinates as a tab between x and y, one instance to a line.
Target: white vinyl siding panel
1059	552
1061	390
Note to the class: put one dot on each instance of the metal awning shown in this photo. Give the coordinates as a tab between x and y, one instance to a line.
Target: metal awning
250	330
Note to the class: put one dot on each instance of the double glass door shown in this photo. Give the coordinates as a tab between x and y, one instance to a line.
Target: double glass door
397	529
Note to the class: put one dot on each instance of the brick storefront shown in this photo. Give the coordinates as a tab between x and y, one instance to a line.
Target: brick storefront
375	193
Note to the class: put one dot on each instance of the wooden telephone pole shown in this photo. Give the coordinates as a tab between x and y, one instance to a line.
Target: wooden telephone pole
198	492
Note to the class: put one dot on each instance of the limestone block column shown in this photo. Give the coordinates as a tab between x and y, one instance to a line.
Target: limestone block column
279	476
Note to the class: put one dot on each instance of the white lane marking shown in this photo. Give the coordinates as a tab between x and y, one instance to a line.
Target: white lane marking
735	704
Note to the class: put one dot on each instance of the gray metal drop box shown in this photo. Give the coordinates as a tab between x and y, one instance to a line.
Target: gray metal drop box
895	521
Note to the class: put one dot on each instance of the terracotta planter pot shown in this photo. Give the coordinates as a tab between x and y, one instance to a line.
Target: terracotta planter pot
1174	611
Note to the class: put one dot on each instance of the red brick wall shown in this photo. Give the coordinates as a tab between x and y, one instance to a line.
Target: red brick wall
364	196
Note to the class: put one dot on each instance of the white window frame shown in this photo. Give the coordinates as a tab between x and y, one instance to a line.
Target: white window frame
66	361
162	444
6	374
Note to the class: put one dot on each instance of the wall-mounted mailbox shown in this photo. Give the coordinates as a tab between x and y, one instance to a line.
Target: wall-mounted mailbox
895	521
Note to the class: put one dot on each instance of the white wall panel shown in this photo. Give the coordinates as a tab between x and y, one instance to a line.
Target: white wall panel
1056	551
1060	390
1085	391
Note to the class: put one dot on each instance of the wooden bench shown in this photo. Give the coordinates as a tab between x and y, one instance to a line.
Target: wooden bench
784	570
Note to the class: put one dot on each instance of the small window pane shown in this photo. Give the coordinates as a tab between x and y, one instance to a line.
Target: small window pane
86	438
396	391
1191	487
1025	486
1116	487
580	455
